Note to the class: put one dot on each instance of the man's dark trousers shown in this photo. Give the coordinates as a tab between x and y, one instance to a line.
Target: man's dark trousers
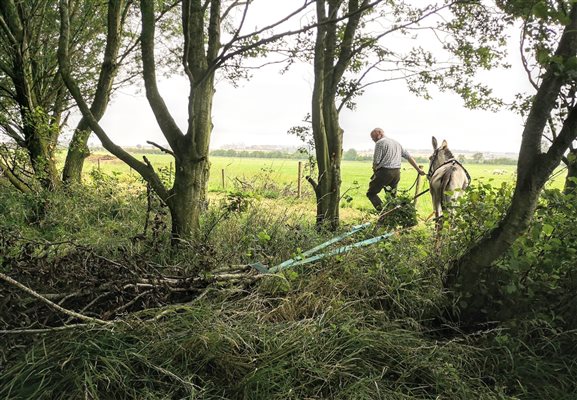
383	178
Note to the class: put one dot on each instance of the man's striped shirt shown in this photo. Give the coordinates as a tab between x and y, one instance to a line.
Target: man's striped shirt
388	153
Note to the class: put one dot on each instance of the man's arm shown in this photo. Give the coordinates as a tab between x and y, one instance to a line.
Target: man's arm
377	155
411	161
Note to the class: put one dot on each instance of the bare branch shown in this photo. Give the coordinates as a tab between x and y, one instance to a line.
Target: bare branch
163	149
524	59
42	330
51	304
166	122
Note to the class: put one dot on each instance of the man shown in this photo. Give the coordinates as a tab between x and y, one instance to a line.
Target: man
387	166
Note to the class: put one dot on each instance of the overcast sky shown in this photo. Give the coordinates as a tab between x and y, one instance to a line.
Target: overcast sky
262	110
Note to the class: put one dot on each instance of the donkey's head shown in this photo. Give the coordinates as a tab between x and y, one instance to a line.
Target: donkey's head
440	155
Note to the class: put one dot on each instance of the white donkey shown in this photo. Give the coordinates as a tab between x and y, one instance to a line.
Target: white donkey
447	178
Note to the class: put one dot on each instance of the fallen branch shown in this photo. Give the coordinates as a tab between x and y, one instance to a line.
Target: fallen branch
131	302
42	330
31	292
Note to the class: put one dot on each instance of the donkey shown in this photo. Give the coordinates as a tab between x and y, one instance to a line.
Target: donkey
446	174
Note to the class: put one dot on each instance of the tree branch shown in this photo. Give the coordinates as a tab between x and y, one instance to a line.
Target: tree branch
223	57
42	330
63	59
163	149
13	179
165	121
51	304
313	184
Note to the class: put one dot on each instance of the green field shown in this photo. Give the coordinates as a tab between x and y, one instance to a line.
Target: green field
277	178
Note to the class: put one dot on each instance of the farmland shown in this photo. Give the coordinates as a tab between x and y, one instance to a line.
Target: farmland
277	179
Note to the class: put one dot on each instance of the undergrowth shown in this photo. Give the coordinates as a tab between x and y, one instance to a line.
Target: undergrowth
367	324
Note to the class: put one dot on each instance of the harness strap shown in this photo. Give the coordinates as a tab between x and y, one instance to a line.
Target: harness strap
451	161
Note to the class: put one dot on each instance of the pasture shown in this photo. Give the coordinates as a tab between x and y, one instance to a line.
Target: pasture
277	179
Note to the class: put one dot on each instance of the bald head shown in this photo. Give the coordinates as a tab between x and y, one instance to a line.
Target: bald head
377	134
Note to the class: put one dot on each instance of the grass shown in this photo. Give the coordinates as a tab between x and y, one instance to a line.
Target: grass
359	327
277	178
369	324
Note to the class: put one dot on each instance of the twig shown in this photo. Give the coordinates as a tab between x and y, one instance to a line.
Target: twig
131	302
163	149
31	292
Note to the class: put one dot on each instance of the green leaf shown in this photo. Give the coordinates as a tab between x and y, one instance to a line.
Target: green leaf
571	63
547	229
540	10
543	56
563	18
263	236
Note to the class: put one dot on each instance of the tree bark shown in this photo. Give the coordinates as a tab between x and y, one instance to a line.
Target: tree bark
188	198
327	132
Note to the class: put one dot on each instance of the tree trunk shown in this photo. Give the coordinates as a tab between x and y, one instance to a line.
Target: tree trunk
78	149
41	152
470	277
188	198
333	54
328	147
77	153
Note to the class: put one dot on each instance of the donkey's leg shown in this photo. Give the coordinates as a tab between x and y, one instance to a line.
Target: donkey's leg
438	210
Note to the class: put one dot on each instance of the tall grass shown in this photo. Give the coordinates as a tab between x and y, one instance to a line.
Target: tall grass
363	325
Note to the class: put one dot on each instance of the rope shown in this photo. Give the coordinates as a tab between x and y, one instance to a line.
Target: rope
553	176
412	186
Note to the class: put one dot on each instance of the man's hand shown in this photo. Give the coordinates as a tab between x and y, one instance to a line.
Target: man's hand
421	172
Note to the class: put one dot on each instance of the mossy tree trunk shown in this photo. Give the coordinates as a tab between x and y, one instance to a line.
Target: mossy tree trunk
333	53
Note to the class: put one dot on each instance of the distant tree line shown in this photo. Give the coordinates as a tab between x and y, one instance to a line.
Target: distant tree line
353	155
348	155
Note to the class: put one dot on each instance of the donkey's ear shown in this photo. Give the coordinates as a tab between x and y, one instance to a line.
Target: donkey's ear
434	143
444	144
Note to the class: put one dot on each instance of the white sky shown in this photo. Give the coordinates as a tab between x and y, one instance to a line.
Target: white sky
262	110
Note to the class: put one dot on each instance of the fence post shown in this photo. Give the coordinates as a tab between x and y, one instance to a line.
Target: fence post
300	175
418	186
98	160
223	182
